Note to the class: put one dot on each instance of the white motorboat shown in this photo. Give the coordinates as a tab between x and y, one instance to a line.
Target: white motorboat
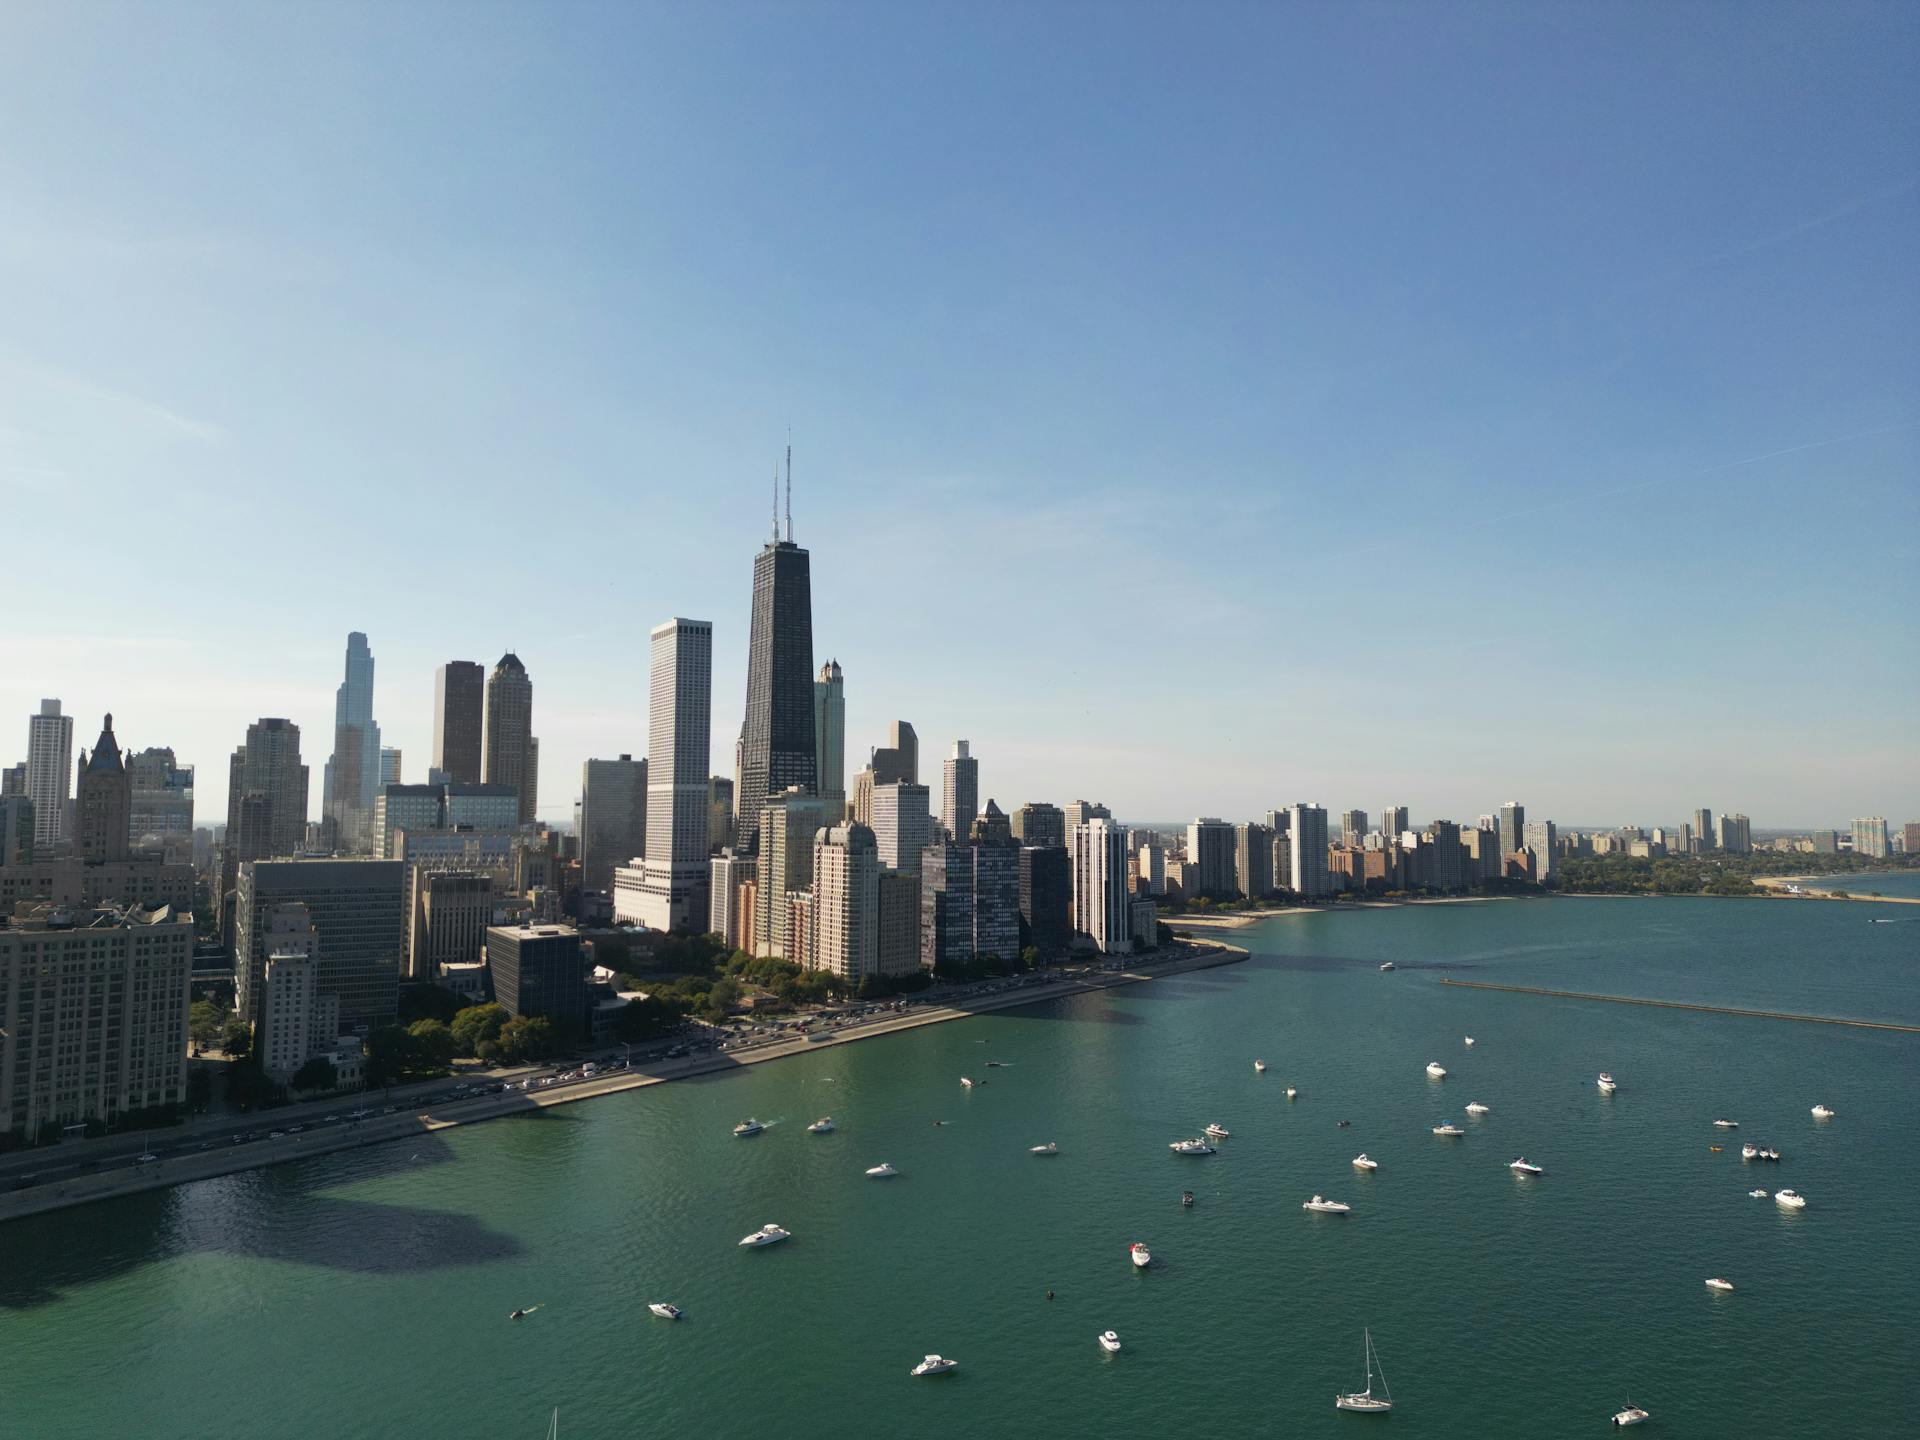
1749	1152
1110	1342
1218	1132
1524	1166
1140	1255
1718	1284
1474	1107
1323	1206
1047	1149
1821	1112
1756	1194
1728	1124
1448	1130
747	1127
882	1171
966	1083
822	1126
1789	1200
1260	1067
1605	1082
1632	1415
934	1365
1365	1401
1292	1093
1194	1146
1388	965
1436	1070
664	1310
766	1235
1468	1040
1363	1162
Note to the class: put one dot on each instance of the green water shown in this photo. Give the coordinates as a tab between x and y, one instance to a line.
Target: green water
367	1294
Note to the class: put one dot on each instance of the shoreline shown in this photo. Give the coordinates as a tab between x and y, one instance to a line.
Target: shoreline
257	1154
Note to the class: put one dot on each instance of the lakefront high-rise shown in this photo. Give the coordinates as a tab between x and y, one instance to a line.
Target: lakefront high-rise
670	890
778	744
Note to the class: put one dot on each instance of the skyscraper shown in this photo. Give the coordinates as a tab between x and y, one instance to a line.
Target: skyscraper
719	813
352	775
390	766
789	823
1704	835
846	902
1100	898
1307	830
1736	835
49	770
359	911
507	742
1046	898
267	790
1394	822
1353	827
1253	861
1869	837
1038	823
613	818
779	751
103	811
1209	858
1542	839
898	761
672	893
959	791
1513	827
830	739
162	800
902	825
459	702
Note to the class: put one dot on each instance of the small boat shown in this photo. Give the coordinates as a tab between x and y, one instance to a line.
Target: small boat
1474	1107
1821	1112
1388	965
1605	1082
1343	1124
1767	1153
1718	1284
966	1083
822	1126
1789	1200
1468	1040
664	1310
747	1127
996	1065
1292	1093
1259	1067
882	1171
934	1365
1448	1130
765	1235
1323	1206
1047	1149
1194	1146
1524	1166
1218	1132
516	1315
1140	1255
1756	1194
1728	1124
1186	1197
1363	1162
1715	1149
1436	1070
1365	1401
1110	1342
1749	1152
1632	1415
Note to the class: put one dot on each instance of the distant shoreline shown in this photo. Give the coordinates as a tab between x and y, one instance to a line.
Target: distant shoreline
1240	919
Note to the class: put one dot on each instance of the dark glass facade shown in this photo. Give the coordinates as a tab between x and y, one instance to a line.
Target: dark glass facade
1046	898
779	750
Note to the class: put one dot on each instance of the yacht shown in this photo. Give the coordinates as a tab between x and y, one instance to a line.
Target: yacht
1448	1130
1789	1200
664	1310
765	1235
1324	1206
1365	1401
1728	1124
882	1171
1047	1149
1605	1082
1821	1112
934	1365
1109	1342
1362	1162
1474	1107
1186	1197
1218	1132
1756	1194
1632	1415
746	1128
1749	1152
1140	1255
822	1126
1259	1067
1436	1070
1388	965
1469	1040
1292	1093
1767	1153
1195	1146
1524	1166
968	1084
1718	1284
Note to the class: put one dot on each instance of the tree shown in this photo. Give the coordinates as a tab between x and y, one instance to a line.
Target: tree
206	1023
237	1038
432	1044
531	1037
478	1025
389	1055
428	1002
317	1074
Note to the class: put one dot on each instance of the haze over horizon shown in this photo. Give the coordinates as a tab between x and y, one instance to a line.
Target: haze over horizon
1197	412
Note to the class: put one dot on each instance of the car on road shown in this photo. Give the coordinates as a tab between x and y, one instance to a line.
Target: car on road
277	1135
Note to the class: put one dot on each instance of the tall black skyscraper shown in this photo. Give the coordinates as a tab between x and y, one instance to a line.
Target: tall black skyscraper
779	730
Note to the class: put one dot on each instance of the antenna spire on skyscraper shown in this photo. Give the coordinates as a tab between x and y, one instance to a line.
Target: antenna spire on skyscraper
789	484
776	502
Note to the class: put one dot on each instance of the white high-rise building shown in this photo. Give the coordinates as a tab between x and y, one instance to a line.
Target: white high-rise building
1100	899
1870	837
671	888
846	902
1513	827
289	1014
830	739
902	826
49	772
1152	861
960	791
1307	859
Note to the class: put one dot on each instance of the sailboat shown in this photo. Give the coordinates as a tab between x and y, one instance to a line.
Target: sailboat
1366	1401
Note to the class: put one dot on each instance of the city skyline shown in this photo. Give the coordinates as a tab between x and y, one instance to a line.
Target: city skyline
1645	427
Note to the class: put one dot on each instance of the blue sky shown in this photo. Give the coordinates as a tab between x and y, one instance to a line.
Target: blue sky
1198	408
